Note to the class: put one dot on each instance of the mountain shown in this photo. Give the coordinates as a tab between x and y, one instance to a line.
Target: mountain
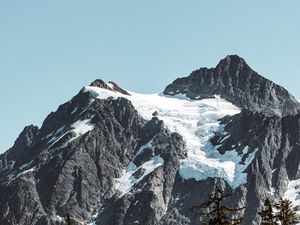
114	157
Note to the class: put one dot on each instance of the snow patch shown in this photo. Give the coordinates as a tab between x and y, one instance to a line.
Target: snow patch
126	182
110	85
25	171
142	148
54	134
102	93
81	127
58	218
227	166
271	191
57	139
92	223
74	110
93	220
224	138
293	193
26	165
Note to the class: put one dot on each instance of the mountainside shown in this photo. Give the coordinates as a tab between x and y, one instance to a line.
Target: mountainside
113	157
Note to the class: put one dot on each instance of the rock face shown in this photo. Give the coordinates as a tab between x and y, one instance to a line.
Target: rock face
277	159
99	160
235	81
50	171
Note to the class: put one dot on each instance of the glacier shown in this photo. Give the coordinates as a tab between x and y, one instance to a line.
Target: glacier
196	121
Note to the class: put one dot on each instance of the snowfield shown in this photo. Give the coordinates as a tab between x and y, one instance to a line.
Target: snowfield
293	193
126	182
79	128
196	121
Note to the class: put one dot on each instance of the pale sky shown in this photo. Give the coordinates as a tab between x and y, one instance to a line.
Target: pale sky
50	49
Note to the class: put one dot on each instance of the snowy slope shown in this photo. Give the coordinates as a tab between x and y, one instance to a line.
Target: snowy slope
196	121
293	194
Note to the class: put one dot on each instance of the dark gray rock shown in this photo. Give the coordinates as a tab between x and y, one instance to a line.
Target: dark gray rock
155	114
78	176
114	87
234	80
118	88
20	152
101	84
149	201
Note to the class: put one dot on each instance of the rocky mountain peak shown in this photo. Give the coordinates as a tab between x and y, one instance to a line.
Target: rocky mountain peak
231	59
111	86
232	63
21	148
235	81
27	135
100	83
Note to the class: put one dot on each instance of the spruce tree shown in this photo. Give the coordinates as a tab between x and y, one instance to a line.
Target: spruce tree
218	213
267	214
285	212
69	221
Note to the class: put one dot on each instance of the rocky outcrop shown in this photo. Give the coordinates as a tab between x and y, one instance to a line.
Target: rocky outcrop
117	88
151	198
20	149
234	80
112	86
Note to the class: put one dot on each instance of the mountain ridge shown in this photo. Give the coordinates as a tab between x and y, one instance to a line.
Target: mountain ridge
113	157
234	80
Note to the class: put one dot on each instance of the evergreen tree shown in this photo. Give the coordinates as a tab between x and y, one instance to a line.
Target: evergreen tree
69	221
267	214
286	214
218	213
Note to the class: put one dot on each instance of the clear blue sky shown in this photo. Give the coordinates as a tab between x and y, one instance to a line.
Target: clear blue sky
50	49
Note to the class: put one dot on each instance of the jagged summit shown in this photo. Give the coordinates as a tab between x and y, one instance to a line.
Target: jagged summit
234	80
100	83
232	60
111	86
24	142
